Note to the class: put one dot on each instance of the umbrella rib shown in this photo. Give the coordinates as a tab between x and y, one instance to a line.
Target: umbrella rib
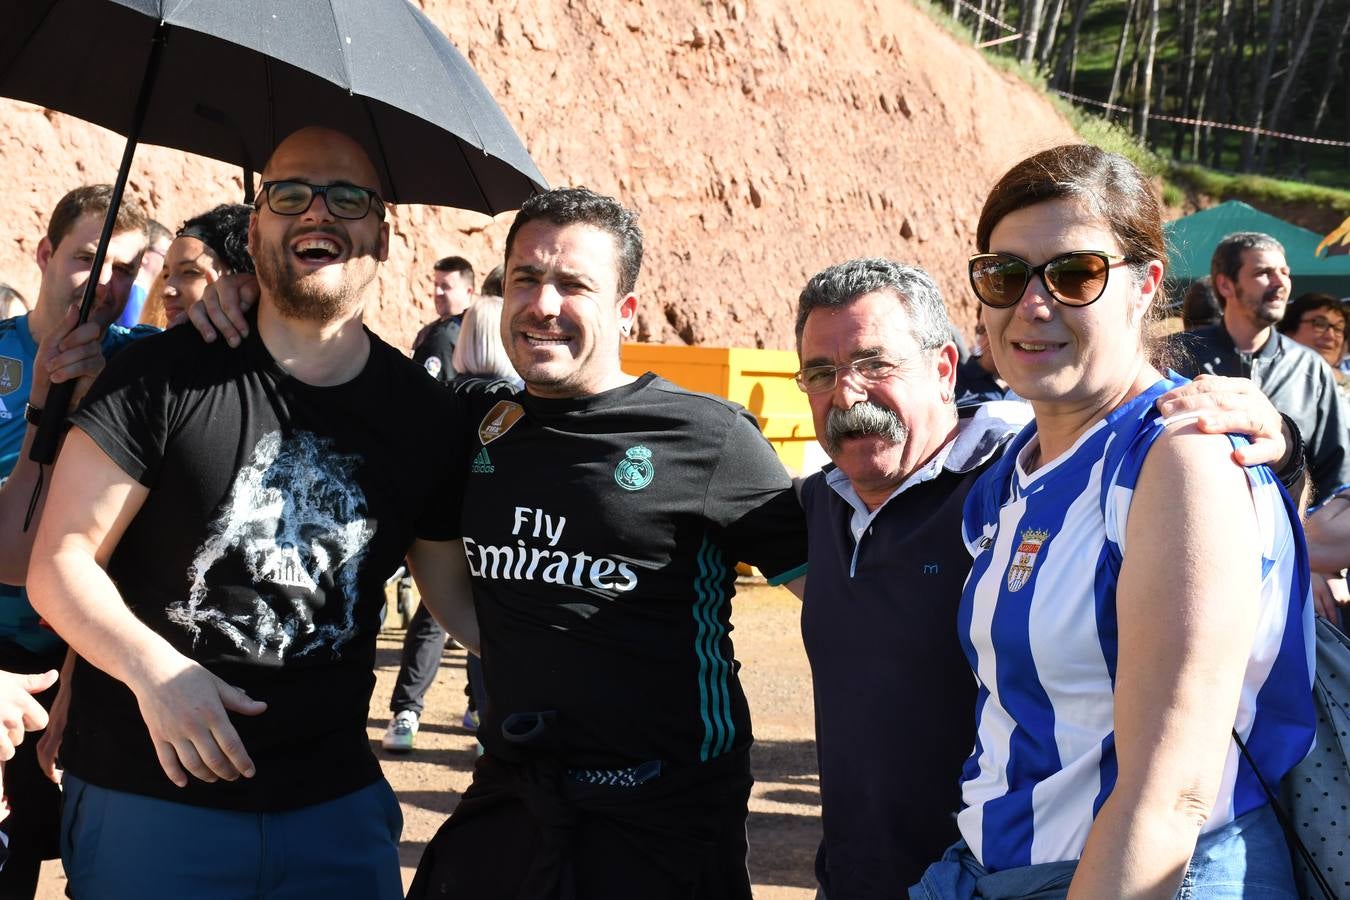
379	143
271	106
342	45
473	173
422	23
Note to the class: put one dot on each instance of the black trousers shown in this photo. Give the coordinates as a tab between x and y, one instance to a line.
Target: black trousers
422	648
525	832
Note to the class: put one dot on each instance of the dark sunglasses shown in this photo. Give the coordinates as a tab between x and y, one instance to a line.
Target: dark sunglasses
1074	279
346	201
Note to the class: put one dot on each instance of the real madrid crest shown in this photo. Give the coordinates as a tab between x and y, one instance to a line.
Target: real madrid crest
634	472
1024	560
11	375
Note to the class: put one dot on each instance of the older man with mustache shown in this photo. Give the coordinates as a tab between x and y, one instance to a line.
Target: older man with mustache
894	696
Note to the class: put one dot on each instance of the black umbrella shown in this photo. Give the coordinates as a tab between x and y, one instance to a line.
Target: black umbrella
229	79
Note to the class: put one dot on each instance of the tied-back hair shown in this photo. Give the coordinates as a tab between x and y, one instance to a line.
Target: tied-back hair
1111	190
479	349
224	229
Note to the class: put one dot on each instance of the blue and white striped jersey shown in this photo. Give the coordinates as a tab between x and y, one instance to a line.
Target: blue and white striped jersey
1038	623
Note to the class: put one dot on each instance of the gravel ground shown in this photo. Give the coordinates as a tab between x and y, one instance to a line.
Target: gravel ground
784	823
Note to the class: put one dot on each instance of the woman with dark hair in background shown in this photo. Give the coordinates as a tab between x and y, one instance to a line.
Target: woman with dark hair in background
1135	597
205	248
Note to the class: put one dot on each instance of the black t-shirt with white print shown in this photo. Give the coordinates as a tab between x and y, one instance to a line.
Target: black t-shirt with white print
602	535
276	511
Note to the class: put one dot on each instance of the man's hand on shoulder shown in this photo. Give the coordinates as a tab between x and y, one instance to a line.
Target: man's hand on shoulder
1223	405
221	311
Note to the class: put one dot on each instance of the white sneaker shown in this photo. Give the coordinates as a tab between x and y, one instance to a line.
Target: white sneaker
398	737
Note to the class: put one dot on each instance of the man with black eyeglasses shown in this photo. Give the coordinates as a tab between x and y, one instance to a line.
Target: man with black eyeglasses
218	533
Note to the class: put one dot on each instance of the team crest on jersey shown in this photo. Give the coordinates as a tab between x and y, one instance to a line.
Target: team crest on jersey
433	366
1024	560
11	375
634	472
499	420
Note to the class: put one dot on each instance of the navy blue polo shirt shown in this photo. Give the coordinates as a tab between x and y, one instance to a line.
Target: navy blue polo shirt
895	697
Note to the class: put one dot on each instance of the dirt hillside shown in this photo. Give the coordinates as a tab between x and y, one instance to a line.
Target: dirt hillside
760	139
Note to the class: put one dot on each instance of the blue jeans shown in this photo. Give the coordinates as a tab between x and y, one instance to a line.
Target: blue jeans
1248	858
116	845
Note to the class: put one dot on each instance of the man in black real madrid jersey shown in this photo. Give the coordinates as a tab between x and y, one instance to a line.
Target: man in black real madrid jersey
603	518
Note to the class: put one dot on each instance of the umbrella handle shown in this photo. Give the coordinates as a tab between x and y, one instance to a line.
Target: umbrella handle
48	438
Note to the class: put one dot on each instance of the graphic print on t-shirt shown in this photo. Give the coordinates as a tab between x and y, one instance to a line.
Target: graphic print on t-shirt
294	525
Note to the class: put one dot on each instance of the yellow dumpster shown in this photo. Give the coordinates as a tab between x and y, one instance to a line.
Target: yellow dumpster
759	380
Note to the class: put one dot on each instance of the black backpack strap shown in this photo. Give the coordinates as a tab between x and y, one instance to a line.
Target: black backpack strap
1290	834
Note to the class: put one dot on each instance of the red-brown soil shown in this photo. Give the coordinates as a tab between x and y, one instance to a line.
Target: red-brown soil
760	139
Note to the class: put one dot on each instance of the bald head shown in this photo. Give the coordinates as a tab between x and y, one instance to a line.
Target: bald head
315	263
321	156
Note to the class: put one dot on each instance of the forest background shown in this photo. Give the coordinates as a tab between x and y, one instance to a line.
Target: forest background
1173	73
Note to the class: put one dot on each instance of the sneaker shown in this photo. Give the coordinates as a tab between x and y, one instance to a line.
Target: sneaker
470	720
398	737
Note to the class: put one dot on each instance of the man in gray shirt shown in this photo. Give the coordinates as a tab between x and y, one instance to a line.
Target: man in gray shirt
1251	279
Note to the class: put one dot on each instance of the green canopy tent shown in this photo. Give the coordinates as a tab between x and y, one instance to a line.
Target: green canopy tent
1191	241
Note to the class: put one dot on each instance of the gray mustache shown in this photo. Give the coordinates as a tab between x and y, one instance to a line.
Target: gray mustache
862	419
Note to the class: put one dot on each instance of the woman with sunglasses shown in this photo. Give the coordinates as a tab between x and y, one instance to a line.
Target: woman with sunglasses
1135	596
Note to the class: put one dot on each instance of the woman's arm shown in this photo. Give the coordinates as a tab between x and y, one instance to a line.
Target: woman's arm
1187	609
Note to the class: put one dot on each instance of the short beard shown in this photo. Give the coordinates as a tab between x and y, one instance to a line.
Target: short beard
1269	315
1262	312
863	419
305	299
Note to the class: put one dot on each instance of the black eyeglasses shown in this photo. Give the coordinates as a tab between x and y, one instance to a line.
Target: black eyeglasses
1074	279
346	201
819	379
1321	325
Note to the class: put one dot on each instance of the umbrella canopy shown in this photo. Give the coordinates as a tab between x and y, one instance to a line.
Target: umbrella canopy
236	76
1192	240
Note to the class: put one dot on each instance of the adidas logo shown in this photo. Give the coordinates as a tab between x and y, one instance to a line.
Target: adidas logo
482	464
